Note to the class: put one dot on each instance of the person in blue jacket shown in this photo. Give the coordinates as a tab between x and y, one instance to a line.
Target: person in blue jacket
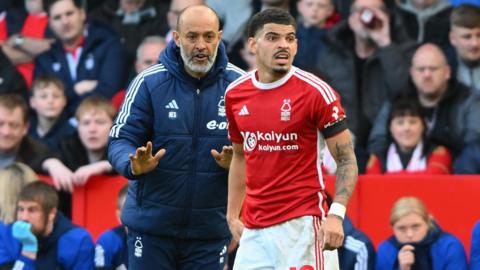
475	248
42	238
87	57
357	251
418	241
111	247
176	202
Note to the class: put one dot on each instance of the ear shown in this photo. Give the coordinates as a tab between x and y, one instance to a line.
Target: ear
32	102
220	35
52	215
176	37
118	214
252	44
451	37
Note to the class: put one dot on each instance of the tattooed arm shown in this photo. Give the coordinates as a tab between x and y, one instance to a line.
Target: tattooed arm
341	148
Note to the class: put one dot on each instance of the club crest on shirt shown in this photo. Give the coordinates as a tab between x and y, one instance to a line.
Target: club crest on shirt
285	110
221	107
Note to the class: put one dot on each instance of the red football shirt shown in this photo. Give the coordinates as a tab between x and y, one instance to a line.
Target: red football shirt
282	126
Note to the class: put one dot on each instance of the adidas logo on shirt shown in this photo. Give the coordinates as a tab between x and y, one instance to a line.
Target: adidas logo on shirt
244	111
172	105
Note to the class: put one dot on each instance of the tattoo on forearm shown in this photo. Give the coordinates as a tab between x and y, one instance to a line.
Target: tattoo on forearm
347	172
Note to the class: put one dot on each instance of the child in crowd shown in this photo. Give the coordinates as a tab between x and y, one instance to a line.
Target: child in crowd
316	16
49	122
111	249
84	154
408	151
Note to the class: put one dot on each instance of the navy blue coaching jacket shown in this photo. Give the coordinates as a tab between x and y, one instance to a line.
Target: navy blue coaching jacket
186	195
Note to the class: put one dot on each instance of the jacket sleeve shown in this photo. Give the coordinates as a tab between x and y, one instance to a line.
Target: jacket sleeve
475	248
132	127
76	250
395	64
386	256
454	255
378	135
472	125
107	246
10	252
468	162
439	162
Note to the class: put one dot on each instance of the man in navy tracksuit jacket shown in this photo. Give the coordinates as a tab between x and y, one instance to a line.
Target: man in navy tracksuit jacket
175	207
43	238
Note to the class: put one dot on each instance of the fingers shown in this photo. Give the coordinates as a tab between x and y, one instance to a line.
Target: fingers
227	149
215	154
159	155
148	151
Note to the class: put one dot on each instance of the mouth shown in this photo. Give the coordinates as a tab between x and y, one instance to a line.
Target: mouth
200	57
281	57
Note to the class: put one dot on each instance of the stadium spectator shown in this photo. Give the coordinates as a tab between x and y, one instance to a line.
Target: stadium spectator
15	144
88	58
176	7
248	56
357	251
148	53
316	16
111	248
42	238
407	149
374	66
451	111
26	36
49	122
133	21
234	16
426	21
475	248
187	118
84	154
11	81
418	242
12	179
468	162
465	39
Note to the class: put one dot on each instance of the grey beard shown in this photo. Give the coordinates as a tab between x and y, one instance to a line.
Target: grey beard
198	68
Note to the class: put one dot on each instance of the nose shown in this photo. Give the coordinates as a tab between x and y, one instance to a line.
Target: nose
22	215
282	43
201	44
5	130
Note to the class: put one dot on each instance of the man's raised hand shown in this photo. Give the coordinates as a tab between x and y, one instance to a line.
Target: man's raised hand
224	158
143	161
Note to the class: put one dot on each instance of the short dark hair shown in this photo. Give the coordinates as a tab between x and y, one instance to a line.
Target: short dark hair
43	81
13	101
465	15
272	15
42	193
49	3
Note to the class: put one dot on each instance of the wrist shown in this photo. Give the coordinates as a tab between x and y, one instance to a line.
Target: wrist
337	209
18	41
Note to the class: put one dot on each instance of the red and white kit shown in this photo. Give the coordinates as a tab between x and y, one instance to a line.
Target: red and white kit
282	126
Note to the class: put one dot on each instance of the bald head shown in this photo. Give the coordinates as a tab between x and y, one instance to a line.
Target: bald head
198	15
428	52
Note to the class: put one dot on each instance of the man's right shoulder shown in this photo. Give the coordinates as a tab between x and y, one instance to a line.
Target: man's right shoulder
156	73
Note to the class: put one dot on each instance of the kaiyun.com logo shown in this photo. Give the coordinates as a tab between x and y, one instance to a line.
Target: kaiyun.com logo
268	141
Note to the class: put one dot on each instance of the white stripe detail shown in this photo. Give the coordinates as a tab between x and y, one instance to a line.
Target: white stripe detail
319	81
130	97
320	204
238	81
231	66
322	87
320	147
18	265
359	248
172	105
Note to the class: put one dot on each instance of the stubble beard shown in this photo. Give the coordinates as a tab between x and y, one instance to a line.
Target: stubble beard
188	61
